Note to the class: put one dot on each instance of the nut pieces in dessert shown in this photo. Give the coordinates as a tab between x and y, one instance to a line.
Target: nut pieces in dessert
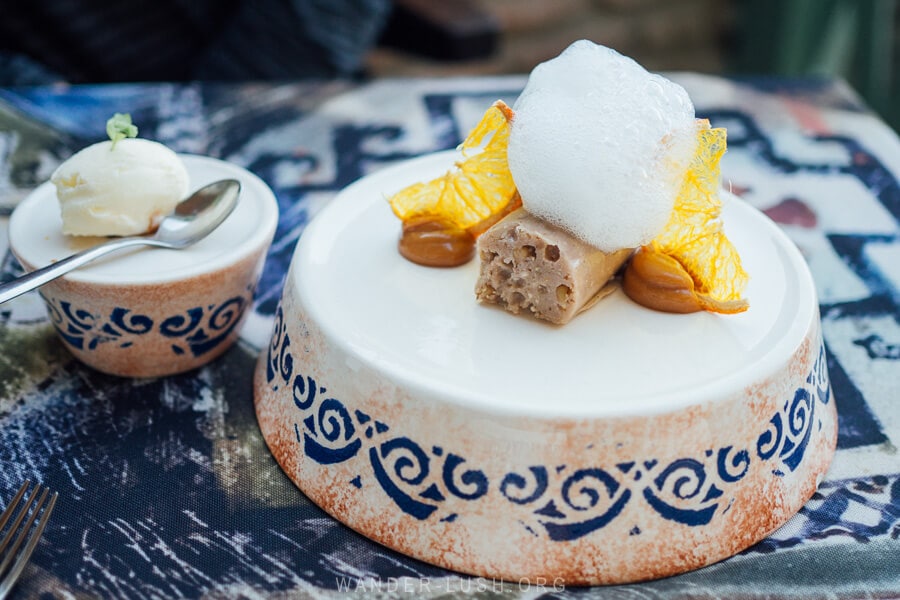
604	158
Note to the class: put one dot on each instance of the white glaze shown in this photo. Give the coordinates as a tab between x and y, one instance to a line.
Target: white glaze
36	233
422	326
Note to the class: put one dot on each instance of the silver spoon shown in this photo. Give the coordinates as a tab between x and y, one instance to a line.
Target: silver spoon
193	219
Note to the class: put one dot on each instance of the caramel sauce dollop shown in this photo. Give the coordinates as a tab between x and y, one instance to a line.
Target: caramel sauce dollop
435	242
658	281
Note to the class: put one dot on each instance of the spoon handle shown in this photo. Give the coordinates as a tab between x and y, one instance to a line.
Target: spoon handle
37	278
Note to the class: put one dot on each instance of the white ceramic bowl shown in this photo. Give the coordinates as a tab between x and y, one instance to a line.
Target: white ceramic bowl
626	445
152	311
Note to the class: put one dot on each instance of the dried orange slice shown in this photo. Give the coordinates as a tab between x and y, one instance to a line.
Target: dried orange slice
694	235
476	188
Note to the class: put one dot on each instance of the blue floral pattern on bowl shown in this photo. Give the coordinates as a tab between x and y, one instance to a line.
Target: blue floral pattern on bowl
196	330
566	503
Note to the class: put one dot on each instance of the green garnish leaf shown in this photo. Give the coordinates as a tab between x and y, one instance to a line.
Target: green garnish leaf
120	127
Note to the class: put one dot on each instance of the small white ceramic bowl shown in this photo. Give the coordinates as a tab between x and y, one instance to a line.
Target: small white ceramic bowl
627	445
152	311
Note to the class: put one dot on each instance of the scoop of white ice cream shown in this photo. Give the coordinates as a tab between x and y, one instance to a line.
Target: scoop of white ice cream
599	146
121	190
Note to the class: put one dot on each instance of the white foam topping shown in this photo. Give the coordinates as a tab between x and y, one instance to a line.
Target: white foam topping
599	146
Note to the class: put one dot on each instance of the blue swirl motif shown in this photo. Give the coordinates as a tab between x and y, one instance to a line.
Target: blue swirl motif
789	432
330	436
279	360
592	496
818	377
200	329
800	419
326	428
417	480
770	440
565	503
84	330
588	499
71	327
400	463
686	490
404	471
523	491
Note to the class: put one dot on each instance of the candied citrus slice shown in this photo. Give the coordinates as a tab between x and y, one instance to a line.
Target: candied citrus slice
476	188
694	235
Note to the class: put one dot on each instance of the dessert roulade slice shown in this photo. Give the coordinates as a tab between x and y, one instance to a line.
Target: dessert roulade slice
530	265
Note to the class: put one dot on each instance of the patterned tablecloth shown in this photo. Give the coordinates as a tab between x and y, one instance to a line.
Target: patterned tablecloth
167	488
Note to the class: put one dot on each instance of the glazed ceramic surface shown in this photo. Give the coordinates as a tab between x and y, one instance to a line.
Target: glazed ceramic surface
152	311
626	445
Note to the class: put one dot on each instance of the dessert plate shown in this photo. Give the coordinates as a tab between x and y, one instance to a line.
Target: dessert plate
626	445
152	311
40	241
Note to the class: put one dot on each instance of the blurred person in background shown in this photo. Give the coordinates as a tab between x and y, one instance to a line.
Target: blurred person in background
95	41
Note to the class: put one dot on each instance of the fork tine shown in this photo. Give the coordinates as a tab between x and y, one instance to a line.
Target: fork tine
10	533
12	506
7	583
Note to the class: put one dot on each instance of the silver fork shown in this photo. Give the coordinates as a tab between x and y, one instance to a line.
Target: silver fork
37	510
